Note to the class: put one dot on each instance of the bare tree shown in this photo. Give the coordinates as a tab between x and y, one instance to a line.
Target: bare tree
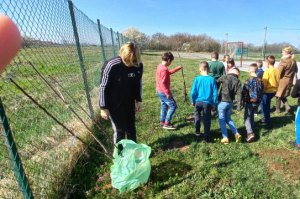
135	35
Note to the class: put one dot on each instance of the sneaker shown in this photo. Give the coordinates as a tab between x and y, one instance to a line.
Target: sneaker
263	121
225	141
162	123
169	127
238	137
250	137
197	134
207	140
269	126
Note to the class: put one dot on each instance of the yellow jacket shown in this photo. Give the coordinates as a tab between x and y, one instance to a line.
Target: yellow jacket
271	79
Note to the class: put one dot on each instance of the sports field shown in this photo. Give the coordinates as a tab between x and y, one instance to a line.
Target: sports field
182	168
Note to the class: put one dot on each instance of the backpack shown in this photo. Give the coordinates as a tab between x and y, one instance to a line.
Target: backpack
253	90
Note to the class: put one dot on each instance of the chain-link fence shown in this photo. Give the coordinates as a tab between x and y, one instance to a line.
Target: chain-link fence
49	94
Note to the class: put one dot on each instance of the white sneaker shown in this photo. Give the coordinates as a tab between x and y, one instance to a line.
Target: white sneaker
169	127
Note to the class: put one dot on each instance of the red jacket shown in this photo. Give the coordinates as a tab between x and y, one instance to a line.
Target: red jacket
163	82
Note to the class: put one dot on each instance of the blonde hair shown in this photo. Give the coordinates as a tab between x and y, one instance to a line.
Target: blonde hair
289	51
130	54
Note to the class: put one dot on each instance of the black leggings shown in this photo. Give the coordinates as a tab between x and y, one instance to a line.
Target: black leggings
123	123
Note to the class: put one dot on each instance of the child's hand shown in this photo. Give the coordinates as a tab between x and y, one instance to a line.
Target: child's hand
169	96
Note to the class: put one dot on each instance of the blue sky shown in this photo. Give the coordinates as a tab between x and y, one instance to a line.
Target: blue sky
243	20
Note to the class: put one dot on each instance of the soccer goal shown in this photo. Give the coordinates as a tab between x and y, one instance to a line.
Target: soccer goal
237	51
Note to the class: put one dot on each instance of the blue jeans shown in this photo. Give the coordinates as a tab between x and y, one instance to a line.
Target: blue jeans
201	107
168	107
249	116
262	109
297	125
266	103
225	110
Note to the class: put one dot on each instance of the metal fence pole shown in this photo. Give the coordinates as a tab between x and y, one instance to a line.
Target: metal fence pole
122	39
12	152
113	42
101	40
119	39
71	7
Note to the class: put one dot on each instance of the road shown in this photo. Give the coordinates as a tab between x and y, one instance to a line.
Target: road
206	56
247	63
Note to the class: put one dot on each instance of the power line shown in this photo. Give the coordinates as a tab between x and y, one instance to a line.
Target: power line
276	28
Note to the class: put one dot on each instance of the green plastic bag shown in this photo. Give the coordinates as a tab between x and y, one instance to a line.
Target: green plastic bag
131	165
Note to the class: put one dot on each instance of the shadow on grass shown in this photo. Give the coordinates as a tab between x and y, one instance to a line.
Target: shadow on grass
180	125
278	121
173	142
169	169
83	176
183	140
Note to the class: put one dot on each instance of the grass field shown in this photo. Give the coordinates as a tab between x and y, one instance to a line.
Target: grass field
44	147
182	168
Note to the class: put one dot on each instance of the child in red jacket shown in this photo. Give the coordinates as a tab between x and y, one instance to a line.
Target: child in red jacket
163	83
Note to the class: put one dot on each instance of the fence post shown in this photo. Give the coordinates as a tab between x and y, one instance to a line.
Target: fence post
113	42
122	39
12	152
101	40
119	39
71	7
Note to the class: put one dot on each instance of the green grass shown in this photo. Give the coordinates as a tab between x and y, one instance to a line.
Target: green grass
36	135
182	168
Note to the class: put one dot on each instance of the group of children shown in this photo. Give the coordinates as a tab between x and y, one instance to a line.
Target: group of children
216	89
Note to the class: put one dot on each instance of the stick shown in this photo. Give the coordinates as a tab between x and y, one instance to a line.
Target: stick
182	74
55	119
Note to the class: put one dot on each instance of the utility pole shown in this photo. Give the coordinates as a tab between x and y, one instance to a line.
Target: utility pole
265	43
226	43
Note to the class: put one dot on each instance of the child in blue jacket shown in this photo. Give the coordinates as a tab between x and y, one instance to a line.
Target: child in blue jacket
296	94
204	94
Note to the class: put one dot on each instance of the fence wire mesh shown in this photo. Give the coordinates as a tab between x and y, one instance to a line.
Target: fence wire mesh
46	149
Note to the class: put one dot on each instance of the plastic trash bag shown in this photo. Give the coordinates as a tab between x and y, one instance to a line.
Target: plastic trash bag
131	165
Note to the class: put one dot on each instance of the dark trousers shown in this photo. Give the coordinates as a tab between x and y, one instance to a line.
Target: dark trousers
123	122
266	103
205	109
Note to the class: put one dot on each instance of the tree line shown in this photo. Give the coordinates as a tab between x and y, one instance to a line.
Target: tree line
192	43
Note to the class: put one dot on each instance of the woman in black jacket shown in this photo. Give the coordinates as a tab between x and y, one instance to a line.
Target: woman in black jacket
120	91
